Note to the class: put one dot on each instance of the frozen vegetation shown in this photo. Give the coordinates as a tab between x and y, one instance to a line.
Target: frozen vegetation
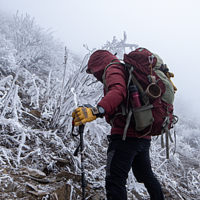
41	83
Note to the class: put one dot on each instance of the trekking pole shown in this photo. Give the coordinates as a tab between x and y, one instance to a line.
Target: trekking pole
81	146
81	130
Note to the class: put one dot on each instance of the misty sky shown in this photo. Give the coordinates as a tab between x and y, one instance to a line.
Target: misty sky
170	28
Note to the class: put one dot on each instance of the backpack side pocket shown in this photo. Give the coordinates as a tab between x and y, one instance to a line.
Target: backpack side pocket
143	117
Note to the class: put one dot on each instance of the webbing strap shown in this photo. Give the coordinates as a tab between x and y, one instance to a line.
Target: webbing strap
130	76
134	80
167	140
168	136
144	97
112	120
128	119
166	131
175	140
124	111
143	108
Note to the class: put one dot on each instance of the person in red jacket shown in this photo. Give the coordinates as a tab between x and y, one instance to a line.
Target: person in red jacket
122	155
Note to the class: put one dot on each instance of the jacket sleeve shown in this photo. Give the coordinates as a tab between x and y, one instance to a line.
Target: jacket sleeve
116	84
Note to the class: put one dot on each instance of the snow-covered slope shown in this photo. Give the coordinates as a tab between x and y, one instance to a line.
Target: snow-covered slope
36	101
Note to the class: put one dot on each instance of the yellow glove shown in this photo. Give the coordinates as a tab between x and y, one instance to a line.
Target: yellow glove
82	115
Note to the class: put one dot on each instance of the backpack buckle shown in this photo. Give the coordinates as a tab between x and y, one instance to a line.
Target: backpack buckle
151	59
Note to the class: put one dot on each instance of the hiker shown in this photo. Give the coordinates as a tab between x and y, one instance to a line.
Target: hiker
122	155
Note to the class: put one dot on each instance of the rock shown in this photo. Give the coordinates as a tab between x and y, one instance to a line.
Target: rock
32	186
69	175
36	113
61	161
9	187
63	192
39	192
40	180
21	194
36	191
34	172
43	180
5	171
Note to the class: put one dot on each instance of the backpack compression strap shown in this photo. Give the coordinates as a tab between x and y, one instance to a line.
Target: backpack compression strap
132	78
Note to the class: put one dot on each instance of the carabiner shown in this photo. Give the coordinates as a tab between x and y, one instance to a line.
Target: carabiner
151	59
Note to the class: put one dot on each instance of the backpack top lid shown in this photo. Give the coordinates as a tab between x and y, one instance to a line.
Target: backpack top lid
141	58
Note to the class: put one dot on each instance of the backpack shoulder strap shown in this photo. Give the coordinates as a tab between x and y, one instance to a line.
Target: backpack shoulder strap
104	74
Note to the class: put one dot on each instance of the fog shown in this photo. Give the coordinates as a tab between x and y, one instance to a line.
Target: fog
169	28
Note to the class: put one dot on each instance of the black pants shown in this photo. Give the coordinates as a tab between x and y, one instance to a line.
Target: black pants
121	156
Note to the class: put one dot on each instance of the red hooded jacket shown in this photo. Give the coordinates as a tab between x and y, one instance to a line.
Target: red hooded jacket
116	83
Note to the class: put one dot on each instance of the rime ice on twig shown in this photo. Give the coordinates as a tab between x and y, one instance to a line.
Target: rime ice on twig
75	97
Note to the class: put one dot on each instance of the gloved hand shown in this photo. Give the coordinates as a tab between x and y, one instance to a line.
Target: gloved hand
82	115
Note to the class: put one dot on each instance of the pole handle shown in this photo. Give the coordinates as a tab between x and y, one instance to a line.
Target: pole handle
81	128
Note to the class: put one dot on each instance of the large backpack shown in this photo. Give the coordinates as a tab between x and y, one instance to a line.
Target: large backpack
154	116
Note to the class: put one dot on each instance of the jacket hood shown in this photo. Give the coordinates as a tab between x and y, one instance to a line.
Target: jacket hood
98	62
